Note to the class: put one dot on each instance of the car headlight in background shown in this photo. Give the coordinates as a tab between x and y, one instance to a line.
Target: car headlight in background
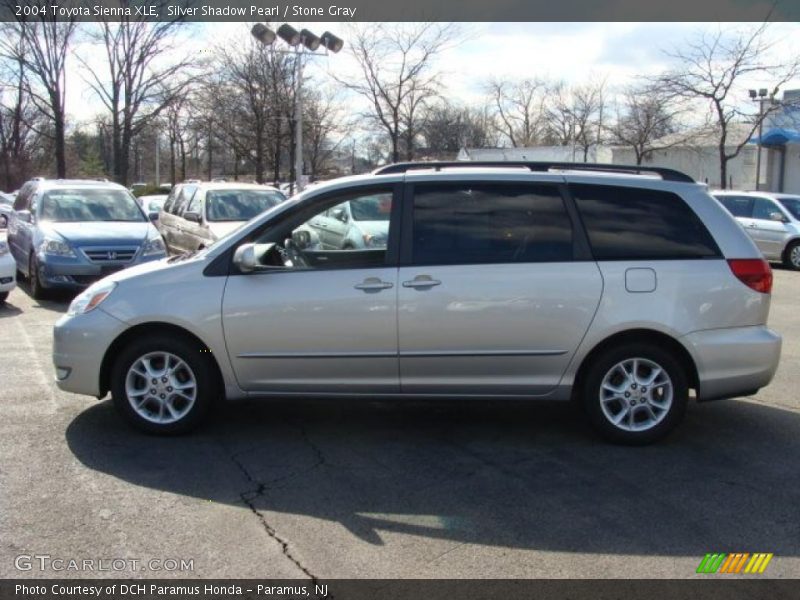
374	241
3	248
56	248
153	246
91	297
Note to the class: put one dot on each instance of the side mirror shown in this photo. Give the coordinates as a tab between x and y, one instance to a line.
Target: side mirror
776	216
25	215
153	216
245	258
301	239
192	216
340	214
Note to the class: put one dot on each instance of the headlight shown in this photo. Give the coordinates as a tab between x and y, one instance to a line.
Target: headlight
374	241
91	297
154	246
3	248
56	248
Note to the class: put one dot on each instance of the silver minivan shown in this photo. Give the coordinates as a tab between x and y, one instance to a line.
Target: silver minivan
771	219
619	288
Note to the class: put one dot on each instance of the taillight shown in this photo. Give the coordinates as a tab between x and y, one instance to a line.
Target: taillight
755	273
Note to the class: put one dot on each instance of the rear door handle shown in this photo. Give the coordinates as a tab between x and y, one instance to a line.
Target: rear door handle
421	281
373	284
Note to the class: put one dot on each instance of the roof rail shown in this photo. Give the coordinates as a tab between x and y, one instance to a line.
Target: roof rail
665	174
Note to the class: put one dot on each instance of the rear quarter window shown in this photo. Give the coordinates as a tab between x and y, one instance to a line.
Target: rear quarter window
626	223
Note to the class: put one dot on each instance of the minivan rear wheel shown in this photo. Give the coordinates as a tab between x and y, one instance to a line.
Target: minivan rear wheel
636	393
791	256
164	385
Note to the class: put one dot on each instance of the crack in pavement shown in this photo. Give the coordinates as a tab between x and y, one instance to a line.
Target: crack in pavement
249	497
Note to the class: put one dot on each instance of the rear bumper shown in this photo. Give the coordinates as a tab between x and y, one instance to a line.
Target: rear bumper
733	362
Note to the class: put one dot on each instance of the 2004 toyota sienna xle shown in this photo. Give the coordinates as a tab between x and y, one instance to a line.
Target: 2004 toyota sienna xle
620	290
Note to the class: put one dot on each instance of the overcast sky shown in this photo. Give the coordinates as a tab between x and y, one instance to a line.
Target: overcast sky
573	52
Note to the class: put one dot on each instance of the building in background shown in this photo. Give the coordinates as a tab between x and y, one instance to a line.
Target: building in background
780	147
699	157
598	154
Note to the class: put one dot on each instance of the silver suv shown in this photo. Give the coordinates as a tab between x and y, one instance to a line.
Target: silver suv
619	290
772	220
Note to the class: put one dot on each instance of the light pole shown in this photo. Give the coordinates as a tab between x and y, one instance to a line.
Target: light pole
304	42
761	96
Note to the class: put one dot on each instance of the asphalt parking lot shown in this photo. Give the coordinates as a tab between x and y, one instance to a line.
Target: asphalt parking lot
376	490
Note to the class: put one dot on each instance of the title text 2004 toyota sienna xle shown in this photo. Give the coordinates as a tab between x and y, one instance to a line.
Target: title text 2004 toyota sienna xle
619	290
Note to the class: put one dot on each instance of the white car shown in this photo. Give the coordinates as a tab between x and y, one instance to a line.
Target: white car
8	270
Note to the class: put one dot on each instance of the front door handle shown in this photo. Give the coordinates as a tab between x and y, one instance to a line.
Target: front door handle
421	281
373	284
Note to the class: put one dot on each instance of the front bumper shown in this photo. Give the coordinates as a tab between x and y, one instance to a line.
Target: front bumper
77	273
79	344
8	273
734	362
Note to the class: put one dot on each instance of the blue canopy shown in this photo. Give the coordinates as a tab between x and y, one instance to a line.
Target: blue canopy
777	136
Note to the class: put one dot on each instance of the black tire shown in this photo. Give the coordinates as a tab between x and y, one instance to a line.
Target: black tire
3	222
3	297
38	292
667	419
198	359
788	262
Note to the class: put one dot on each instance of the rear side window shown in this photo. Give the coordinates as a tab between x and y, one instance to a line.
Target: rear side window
738	206
639	224
488	223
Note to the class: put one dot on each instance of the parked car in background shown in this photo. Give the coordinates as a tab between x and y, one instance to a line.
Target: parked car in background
621	292
8	269
212	211
70	233
6	207
152	205
771	219
359	223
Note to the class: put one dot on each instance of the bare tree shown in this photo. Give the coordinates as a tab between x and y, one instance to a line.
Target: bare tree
40	45
20	123
323	118
646	117
255	93
520	110
398	76
449	128
711	69
576	115
137	85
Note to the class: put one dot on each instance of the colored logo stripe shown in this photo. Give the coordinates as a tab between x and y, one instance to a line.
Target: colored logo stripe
735	562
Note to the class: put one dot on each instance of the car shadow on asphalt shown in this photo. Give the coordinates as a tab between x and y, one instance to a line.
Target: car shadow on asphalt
56	300
507	475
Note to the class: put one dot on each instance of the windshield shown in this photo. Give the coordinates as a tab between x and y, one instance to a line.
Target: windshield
240	205
372	208
77	205
792	205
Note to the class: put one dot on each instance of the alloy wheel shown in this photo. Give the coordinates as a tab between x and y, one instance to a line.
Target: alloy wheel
161	388
636	394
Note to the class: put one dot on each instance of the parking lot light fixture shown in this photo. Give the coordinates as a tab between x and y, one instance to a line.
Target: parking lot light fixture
331	42
303	43
310	40
263	34
289	34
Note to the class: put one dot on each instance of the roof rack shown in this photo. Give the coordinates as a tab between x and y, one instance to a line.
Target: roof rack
666	174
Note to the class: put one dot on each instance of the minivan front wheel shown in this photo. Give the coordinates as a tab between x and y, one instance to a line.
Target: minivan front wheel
163	385
636	393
